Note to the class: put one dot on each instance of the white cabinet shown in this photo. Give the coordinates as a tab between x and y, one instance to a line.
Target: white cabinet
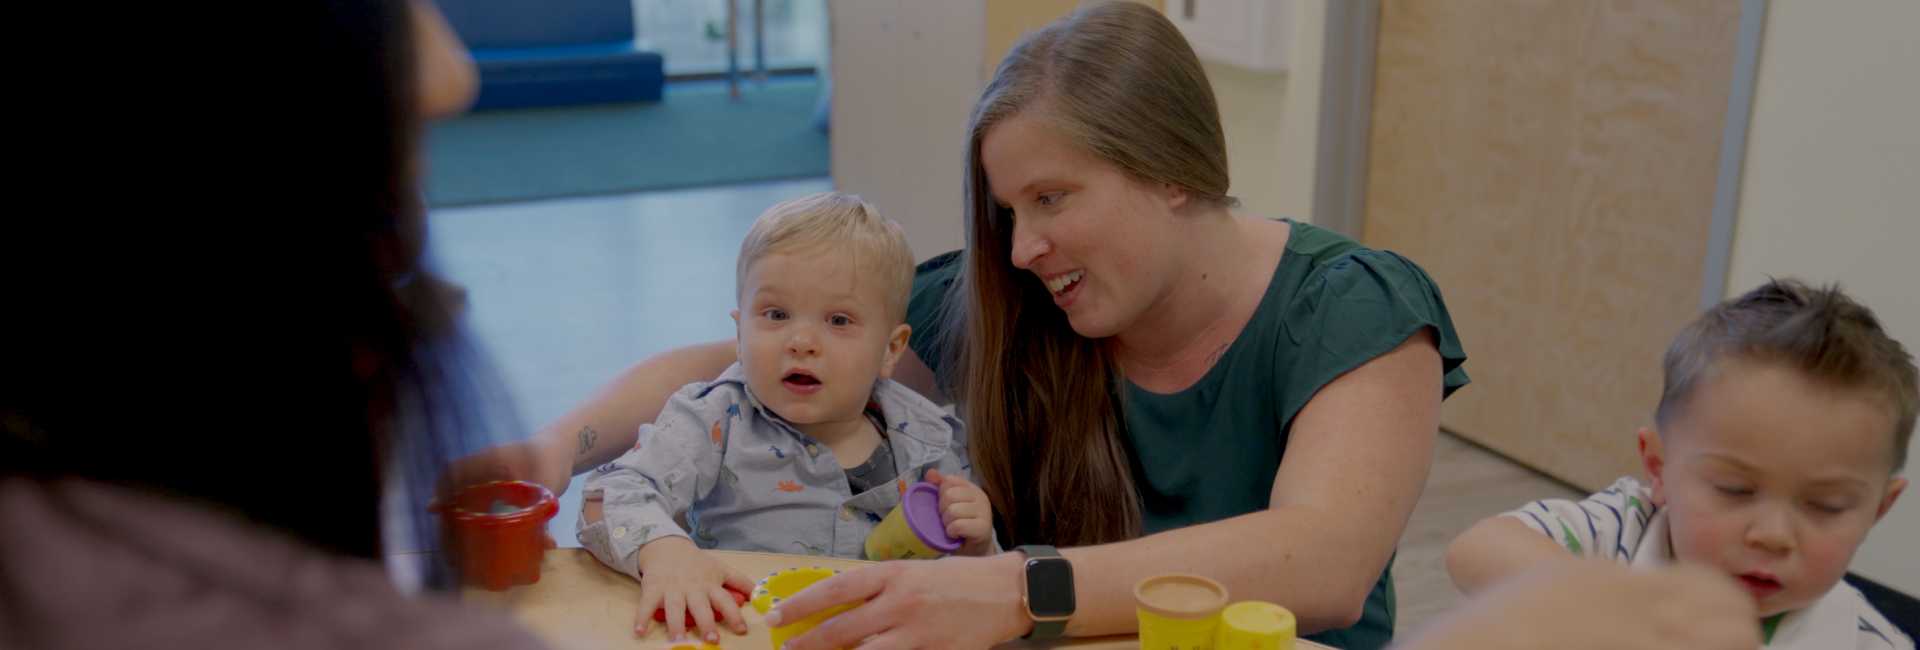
1252	34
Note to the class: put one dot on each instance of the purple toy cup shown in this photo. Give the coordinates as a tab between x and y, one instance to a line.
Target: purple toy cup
913	530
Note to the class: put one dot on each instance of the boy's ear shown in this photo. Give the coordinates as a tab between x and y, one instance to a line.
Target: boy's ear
1653	457
1894	488
896	345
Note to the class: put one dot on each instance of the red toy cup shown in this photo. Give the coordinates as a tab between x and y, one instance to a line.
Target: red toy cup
496	532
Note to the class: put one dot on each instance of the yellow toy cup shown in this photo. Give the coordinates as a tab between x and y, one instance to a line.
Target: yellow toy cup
782	585
913	530
1255	625
1178	612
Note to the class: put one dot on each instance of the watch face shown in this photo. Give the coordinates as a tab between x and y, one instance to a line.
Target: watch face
1049	587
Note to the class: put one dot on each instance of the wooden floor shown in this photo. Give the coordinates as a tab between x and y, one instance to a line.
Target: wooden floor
1467	483
564	294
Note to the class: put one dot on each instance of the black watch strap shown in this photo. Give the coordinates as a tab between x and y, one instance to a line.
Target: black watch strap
1043	630
1050	628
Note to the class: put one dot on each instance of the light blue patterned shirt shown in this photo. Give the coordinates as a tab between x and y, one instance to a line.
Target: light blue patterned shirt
746	480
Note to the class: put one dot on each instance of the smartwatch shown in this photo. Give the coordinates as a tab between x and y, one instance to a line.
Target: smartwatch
1049	591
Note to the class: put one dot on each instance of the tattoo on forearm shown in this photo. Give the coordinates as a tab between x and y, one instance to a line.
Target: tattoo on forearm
587	437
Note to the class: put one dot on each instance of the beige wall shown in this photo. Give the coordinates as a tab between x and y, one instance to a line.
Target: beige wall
1255	113
906	74
1270	117
1275	176
1008	20
1831	189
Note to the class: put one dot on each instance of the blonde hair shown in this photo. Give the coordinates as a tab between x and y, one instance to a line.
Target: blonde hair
1044	403
841	224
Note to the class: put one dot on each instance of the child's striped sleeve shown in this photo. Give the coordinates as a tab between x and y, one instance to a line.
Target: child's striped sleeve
1608	524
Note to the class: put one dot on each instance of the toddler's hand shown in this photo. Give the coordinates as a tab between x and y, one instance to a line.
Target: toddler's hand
686	581
965	510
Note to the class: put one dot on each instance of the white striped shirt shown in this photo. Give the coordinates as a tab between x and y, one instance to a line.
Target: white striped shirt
1621	523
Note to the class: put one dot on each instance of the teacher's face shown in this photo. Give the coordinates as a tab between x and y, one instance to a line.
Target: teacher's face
1094	236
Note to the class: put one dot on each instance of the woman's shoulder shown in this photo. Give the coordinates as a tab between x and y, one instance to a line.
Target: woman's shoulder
1338	304
1322	266
927	305
932	280
1316	244
948	262
1320	253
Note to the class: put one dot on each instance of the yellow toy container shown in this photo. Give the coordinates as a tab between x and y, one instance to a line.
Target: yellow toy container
782	585
1178	612
1255	625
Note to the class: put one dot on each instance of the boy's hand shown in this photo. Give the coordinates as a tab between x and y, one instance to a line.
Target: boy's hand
965	510
687	582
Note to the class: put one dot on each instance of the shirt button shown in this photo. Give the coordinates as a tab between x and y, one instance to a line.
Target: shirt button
620	531
813	451
846	514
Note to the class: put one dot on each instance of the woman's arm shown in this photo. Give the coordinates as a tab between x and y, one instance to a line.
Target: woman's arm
1354	466
607	425
601	429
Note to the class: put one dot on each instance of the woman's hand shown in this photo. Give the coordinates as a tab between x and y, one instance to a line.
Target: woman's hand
965	511
953	602
532	460
686	581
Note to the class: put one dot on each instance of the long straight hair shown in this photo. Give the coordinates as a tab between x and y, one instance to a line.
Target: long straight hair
1045	404
240	316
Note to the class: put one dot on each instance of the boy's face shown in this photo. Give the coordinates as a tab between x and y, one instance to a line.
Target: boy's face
814	335
1773	478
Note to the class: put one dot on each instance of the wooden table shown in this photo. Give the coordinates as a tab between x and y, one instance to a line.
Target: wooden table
580	603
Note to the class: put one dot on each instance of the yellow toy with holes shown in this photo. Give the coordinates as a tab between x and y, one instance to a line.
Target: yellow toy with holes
782	585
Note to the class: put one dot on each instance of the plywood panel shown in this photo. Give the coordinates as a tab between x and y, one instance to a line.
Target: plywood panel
1552	164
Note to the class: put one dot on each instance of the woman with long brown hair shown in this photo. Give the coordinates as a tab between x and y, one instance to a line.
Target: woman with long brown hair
1152	382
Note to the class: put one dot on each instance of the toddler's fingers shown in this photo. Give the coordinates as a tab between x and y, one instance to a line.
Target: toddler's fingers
649	601
725	608
700	606
676	616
